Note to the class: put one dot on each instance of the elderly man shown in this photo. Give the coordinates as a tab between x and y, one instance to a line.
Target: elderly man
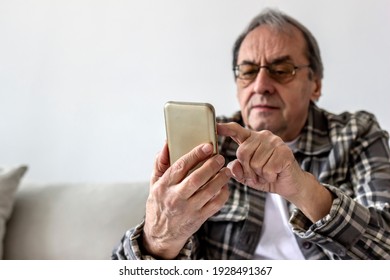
291	181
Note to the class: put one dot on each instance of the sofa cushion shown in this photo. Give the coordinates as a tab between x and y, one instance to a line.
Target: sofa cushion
72	221
9	182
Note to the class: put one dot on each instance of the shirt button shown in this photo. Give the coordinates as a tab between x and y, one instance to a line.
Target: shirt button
306	245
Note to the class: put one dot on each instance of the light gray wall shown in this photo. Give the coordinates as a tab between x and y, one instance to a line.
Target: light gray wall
83	82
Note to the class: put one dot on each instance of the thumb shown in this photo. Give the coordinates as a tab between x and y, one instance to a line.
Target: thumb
236	170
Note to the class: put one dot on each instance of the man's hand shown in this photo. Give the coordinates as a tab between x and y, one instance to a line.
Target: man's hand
179	204
266	163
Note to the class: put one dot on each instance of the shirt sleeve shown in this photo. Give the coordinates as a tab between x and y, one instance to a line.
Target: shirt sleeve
130	247
335	233
358	224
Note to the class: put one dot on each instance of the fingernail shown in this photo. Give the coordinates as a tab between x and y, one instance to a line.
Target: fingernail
207	148
220	159
228	172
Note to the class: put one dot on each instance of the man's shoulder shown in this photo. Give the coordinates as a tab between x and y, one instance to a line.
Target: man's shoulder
360	119
351	124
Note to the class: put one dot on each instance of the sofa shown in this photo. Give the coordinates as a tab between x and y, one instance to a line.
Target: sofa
70	221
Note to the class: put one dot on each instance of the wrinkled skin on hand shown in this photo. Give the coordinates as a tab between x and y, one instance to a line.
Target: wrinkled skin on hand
179	204
266	163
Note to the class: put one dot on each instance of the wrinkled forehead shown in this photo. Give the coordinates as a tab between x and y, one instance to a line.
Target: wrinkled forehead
266	43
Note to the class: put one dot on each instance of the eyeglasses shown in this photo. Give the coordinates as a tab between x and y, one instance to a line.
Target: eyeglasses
282	72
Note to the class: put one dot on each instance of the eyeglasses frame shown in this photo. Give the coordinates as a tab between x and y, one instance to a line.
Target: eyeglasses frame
267	67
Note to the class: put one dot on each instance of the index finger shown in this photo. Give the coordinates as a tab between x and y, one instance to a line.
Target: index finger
161	164
235	131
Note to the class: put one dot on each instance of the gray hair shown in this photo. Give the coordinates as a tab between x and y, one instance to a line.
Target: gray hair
281	21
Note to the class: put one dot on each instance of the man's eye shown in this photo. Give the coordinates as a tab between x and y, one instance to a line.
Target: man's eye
249	72
280	70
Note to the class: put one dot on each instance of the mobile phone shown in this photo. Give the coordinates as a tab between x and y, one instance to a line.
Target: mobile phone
189	124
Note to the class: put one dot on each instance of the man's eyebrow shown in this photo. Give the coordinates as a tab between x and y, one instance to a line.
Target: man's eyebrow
281	59
248	62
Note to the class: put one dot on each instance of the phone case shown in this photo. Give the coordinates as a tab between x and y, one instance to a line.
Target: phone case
189	124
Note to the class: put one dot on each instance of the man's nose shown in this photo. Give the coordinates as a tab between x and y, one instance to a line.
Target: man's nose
263	82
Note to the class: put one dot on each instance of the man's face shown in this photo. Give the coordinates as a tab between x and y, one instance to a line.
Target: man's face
266	103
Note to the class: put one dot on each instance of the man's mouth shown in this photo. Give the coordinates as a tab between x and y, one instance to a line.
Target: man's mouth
263	107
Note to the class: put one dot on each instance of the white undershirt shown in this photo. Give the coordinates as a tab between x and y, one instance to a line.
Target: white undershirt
277	241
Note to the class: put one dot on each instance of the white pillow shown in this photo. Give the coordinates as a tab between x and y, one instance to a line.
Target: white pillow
9	182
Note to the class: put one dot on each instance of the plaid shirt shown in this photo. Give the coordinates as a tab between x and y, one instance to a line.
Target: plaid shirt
349	154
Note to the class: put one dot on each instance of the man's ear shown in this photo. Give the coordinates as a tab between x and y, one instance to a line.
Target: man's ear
316	91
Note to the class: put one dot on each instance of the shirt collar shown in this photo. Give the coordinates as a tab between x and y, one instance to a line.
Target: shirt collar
314	138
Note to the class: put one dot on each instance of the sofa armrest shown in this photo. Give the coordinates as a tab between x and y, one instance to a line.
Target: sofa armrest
72	221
